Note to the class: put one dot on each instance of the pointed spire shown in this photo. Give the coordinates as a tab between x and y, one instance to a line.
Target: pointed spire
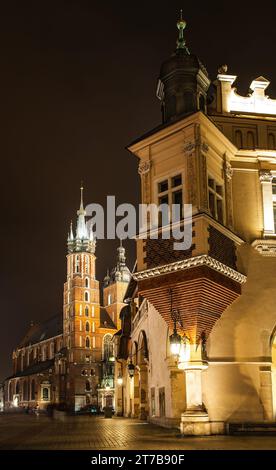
81	225
81	209
71	236
181	25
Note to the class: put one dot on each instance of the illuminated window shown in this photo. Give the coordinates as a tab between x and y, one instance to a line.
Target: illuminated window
77	264
215	196
109	299
86	265
170	191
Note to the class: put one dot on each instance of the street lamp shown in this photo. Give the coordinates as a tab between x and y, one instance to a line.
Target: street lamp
175	343
131	369
175	338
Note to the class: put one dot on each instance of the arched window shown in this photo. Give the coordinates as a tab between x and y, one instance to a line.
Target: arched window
87	386
87	326
84	372
77	264
271	141
250	140
107	347
86	268
86	282
17	388
93	327
45	393
87	342
86	296
33	390
87	311
238	139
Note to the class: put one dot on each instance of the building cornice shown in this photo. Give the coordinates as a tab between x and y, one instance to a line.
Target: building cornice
203	260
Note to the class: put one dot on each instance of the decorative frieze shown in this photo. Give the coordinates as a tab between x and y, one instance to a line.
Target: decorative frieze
203	260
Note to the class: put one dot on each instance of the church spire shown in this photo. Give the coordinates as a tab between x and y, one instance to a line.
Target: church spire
84	240
81	225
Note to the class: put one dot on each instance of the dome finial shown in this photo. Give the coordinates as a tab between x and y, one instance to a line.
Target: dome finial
181	25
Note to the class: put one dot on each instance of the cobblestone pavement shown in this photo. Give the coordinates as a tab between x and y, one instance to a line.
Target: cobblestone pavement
31	432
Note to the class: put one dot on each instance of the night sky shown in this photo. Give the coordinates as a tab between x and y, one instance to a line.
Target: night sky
77	84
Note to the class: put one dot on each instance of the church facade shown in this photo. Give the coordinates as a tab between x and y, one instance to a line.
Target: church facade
68	360
197	350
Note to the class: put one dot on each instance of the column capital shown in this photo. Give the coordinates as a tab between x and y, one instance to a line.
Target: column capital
265	176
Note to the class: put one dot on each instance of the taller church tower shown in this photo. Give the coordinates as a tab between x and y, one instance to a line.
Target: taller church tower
81	315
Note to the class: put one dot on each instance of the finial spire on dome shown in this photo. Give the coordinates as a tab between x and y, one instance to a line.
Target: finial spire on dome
181	25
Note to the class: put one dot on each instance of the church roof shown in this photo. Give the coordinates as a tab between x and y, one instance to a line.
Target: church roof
42	331
34	369
105	320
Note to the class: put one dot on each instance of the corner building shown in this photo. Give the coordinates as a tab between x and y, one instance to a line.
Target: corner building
68	361
215	150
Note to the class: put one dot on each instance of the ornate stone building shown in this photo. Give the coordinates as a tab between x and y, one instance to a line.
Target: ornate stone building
68	360
215	150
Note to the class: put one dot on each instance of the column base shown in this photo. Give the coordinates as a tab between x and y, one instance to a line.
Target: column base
195	423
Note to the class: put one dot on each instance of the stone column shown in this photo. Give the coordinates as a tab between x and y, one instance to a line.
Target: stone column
177	385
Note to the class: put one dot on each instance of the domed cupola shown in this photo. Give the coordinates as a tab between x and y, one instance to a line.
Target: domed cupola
183	81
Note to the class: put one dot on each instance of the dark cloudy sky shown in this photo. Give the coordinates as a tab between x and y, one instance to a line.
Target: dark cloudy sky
77	84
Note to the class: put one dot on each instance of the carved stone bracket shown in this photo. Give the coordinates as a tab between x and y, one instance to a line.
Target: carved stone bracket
190	147
144	167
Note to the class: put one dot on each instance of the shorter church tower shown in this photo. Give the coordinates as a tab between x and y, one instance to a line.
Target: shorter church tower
115	286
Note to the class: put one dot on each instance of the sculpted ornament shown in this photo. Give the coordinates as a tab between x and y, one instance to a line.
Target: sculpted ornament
191	146
144	167
265	176
228	171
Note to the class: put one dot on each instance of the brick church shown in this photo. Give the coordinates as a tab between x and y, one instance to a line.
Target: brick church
68	360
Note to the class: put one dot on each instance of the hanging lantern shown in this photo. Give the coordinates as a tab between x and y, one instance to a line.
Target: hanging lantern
175	343
131	369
